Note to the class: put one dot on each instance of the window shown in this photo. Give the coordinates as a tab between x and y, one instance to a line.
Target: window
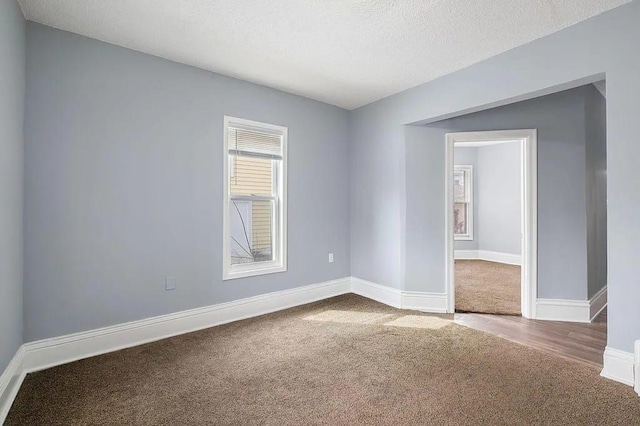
463	203
255	203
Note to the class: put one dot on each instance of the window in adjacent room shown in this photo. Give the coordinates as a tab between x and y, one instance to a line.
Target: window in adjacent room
463	202
255	204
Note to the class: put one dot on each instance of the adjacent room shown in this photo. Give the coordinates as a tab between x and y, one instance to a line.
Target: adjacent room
285	212
488	227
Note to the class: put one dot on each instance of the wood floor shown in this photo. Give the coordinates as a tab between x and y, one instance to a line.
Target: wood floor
580	342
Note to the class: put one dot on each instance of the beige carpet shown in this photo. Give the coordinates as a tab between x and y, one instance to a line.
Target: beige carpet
487	287
345	361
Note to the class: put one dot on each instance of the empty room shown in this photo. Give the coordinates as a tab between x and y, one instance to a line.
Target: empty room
310	212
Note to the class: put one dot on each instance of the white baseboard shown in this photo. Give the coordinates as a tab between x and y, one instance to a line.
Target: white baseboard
380	293
466	254
425	302
597	303
571	310
637	367
419	301
10	382
618	366
491	256
61	350
563	310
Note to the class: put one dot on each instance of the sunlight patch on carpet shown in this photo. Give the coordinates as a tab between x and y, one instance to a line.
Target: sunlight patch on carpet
419	321
353	317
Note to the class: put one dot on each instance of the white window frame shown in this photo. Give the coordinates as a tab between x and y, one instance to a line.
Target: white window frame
468	187
279	221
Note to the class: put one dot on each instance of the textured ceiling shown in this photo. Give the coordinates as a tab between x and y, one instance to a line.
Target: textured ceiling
343	52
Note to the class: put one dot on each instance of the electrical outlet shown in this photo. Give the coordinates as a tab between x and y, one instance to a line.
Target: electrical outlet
330	257
170	283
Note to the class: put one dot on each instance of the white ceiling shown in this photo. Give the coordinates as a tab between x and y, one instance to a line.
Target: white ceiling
343	52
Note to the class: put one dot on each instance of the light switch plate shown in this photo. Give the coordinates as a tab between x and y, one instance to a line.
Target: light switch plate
330	257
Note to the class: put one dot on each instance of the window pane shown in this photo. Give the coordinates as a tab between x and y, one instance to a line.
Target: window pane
459	188
251	231
250	175
460	219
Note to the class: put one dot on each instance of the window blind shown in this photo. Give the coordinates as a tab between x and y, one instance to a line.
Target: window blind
250	143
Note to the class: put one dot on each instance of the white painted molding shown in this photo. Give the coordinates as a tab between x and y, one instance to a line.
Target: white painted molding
425	302
597	303
637	368
467	254
494	256
419	301
61	350
563	310
529	202
490	256
618	366
10	382
571	310
380	293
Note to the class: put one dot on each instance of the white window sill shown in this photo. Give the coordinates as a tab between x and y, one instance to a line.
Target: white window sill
463	238
252	272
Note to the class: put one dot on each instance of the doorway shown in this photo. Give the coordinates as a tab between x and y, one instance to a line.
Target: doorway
483	268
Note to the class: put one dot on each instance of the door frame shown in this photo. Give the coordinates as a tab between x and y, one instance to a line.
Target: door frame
528	139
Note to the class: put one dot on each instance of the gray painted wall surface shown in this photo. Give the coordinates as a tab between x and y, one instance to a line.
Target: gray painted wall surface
124	185
467	156
577	55
12	86
562	253
596	175
499	210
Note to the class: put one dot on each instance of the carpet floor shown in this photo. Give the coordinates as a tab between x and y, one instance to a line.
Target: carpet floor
487	287
345	361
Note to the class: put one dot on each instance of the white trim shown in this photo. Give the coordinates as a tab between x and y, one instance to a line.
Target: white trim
420	301
468	189
597	303
490	256
467	254
425	302
380	293
572	310
529	139
494	256
563	310
481	144
637	367
61	350
10	382
618	366
280	223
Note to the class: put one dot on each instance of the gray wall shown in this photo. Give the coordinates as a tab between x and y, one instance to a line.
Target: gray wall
124	185
596	187
577	55
499	201
12	86
468	156
562	252
496	204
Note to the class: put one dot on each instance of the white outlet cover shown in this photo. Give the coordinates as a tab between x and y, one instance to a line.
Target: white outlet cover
330	257
170	283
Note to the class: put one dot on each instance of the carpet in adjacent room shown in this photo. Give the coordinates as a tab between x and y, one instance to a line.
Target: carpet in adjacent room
487	287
